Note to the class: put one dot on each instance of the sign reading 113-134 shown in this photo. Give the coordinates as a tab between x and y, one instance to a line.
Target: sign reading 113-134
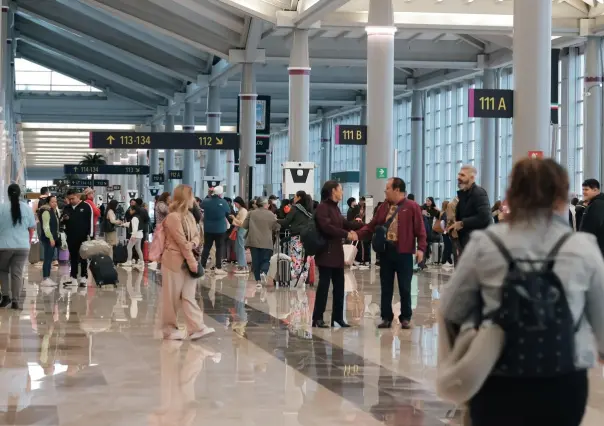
491	103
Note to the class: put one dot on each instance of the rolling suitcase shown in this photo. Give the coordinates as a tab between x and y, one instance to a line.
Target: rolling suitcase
103	271
284	272
120	254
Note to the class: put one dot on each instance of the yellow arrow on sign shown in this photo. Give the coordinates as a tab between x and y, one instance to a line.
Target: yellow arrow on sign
110	139
219	141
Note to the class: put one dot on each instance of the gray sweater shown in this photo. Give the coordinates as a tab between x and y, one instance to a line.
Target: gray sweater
579	266
260	223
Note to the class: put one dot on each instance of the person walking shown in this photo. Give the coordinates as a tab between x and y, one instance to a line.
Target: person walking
400	223
540	374
240	233
182	242
17	226
330	259
110	224
215	213
473	211
136	237
260	224
79	227
447	255
48	217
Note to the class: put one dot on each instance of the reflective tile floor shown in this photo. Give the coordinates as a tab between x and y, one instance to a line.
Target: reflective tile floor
92	357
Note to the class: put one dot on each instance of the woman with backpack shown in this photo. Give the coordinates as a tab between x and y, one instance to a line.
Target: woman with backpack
533	290
110	224
294	222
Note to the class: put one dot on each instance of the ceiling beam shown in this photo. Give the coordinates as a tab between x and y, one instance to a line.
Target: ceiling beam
444	77
254	35
471	41
359	62
316	85
579	5
134	85
308	16
213	13
104	48
256	8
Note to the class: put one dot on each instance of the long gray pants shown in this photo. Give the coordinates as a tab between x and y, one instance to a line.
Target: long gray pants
12	264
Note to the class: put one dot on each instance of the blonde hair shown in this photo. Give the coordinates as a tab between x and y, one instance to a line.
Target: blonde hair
183	194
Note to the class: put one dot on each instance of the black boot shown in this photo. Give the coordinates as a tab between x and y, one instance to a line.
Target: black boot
341	323
15	305
5	301
319	324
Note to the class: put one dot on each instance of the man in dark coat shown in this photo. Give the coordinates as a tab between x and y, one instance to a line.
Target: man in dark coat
593	217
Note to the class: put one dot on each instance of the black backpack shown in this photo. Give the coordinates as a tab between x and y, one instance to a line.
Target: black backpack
534	313
312	240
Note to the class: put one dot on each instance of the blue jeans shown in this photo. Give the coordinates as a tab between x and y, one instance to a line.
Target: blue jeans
261	259
49	254
240	247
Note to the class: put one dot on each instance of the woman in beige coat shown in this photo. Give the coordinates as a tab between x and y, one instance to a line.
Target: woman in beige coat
182	236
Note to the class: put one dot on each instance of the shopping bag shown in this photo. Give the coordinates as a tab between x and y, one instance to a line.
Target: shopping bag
157	245
350	253
350	281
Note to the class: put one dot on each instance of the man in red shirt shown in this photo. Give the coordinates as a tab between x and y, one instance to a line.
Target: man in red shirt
96	212
406	231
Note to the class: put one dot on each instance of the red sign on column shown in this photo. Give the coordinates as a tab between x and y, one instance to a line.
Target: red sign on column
535	154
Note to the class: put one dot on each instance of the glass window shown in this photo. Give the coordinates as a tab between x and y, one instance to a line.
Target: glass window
32	77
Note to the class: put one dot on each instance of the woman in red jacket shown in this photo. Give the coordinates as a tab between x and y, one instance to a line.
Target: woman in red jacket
96	212
330	259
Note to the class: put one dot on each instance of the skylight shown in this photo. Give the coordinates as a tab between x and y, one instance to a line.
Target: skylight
33	77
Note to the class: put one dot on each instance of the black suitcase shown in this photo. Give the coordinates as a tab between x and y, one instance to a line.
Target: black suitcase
120	254
103	271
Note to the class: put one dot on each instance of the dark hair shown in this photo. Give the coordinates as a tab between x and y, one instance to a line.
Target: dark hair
433	206
411	197
591	184
240	201
112	205
574	201
72	191
164	197
139	202
285	202
44	190
398	183
49	198
536	184
328	188
305	200
496	206
14	194
350	201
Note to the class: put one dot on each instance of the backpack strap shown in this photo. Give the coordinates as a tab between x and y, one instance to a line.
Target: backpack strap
398	209
554	251
303	210
501	247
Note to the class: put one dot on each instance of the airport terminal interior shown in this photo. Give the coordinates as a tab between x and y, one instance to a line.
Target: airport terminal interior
261	98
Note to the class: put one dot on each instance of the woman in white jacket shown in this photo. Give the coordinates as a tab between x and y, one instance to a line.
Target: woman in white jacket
136	239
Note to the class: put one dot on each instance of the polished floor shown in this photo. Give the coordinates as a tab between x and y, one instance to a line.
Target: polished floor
93	357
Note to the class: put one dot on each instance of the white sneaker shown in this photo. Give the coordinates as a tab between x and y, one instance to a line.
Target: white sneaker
175	335
242	271
220	272
263	277
83	281
152	266
140	266
201	333
126	265
47	282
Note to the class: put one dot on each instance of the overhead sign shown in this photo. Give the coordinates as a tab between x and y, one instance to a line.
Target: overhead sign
262	144
163	140
260	158
88	182
351	134
116	187
52	188
535	154
346	177
107	169
157	178
212	181
491	103
174	174
154	190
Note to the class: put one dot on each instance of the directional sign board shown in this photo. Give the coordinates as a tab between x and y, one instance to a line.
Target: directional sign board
80	182
117	187
163	140
351	135
157	178
52	188
174	174
491	103
262	144
107	169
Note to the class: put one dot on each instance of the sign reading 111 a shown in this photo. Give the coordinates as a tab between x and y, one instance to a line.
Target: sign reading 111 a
491	103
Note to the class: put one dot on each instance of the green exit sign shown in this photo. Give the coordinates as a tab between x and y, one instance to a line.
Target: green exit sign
381	173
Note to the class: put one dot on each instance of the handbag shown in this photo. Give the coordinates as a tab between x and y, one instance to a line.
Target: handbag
233	234
196	254
350	253
380	236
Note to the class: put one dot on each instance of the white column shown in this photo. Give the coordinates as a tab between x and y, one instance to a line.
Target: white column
247	129
592	150
380	93
325	142
488	140
363	156
532	77
213	122
153	159
169	159
299	97
417	145
143	182
188	174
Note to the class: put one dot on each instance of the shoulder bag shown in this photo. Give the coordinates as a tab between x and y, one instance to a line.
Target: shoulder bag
379	240
196	254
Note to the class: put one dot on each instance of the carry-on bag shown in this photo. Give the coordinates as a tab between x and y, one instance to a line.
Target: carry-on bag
103	271
120	254
63	255
34	253
95	247
284	272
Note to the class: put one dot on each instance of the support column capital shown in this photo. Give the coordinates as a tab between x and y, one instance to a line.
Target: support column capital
240	56
381	14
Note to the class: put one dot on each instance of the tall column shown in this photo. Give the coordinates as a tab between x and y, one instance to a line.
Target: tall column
417	145
592	150
153	158
247	128
488	141
363	156
567	112
380	93
168	156
213	122
325	142
124	181
532	77
188	174
299	97
143	181
268	171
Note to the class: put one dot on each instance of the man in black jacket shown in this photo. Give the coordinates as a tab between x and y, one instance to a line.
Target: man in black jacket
79	227
593	218
473	210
